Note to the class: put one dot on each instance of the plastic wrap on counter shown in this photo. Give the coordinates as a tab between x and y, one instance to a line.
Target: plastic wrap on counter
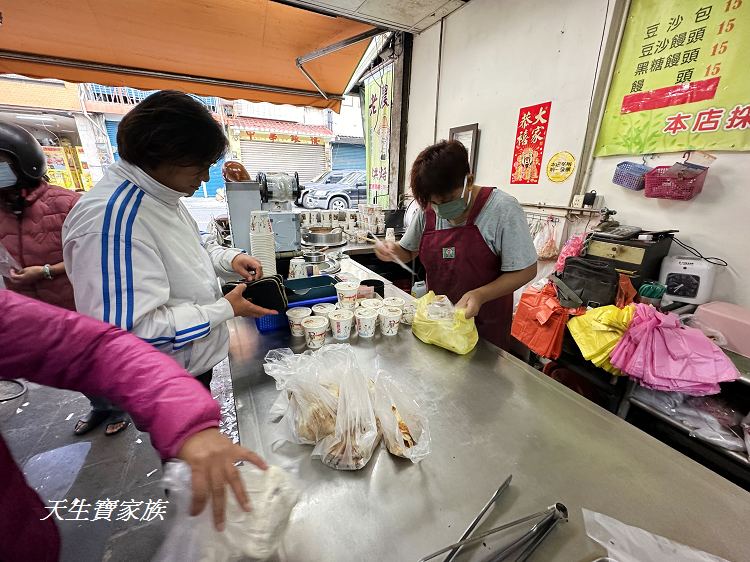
709	419
625	543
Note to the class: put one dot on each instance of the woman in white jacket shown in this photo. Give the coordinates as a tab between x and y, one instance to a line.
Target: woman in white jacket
134	254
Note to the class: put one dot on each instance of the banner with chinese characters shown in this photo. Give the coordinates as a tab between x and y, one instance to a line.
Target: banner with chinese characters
681	81
280	137
378	88
531	134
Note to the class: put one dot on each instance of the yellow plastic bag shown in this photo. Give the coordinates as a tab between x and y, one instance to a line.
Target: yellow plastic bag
598	332
457	334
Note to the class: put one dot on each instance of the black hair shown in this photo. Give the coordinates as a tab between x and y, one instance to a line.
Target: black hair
170	127
439	170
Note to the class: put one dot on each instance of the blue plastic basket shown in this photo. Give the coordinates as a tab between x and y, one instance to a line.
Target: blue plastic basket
272	322
631	175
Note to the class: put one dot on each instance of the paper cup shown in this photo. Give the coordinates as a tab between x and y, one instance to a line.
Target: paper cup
408	314
295	317
260	222
324	309
341	323
297	268
367	321
347	294
372	303
315	328
390	318
395	302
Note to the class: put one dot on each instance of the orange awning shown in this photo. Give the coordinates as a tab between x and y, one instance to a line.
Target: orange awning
243	49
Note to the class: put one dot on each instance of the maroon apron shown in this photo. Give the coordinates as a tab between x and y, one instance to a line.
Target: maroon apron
458	260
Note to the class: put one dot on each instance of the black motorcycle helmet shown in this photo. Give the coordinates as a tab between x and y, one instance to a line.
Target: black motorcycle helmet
26	154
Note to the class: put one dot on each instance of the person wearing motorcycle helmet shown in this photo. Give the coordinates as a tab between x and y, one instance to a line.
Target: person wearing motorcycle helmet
32	213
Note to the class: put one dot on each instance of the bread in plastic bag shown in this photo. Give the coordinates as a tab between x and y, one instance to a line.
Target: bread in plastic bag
545	242
256	534
404	426
455	333
311	393
356	434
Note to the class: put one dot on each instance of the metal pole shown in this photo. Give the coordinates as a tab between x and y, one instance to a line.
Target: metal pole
130	71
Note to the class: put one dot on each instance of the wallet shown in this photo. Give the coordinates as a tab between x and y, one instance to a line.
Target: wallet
268	292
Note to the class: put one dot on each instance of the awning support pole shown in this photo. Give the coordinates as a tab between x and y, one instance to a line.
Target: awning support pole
301	61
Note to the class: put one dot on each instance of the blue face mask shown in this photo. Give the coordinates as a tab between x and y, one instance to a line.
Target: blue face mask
8	177
453	209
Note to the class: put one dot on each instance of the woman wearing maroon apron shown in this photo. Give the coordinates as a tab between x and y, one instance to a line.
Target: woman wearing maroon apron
473	241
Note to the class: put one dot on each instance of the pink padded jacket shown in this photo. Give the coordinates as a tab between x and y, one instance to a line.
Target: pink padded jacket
63	349
36	239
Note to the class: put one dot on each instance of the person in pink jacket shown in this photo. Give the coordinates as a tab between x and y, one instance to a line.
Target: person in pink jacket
55	347
32	213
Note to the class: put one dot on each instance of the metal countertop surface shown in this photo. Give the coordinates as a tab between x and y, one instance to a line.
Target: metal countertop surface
490	415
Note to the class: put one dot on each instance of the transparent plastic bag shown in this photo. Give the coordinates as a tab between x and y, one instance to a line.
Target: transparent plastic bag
310	390
7	262
256	534
455	333
625	543
402	422
356	434
545	242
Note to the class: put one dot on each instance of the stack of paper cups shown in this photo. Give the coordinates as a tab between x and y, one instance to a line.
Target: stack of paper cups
260	222
263	241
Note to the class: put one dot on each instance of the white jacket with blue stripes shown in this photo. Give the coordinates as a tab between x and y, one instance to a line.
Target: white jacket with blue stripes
137	260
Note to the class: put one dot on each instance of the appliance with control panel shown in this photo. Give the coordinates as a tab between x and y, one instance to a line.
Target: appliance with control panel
688	279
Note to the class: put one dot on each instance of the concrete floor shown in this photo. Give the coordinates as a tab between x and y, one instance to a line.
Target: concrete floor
38	428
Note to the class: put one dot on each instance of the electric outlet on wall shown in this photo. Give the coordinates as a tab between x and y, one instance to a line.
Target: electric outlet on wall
577	201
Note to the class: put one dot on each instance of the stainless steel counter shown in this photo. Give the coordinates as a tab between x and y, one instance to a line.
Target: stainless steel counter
491	415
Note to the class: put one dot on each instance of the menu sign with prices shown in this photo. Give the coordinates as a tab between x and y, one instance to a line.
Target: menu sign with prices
680	82
531	134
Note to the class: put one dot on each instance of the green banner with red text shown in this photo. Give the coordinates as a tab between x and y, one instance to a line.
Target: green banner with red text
378	91
682	80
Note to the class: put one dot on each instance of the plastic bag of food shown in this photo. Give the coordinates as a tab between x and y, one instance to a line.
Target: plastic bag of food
545	242
402	422
356	435
256	534
311	397
437	324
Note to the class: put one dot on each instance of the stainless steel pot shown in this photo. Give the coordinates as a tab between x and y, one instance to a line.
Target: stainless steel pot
318	236
314	257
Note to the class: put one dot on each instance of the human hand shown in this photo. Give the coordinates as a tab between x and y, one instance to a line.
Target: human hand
27	275
243	307
211	457
386	251
248	267
470	303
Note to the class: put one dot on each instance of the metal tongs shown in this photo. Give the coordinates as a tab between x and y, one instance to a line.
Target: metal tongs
523	547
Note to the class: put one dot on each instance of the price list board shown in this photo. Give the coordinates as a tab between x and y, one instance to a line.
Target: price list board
681	81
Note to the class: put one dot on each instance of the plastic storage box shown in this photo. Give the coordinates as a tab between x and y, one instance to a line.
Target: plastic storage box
731	320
